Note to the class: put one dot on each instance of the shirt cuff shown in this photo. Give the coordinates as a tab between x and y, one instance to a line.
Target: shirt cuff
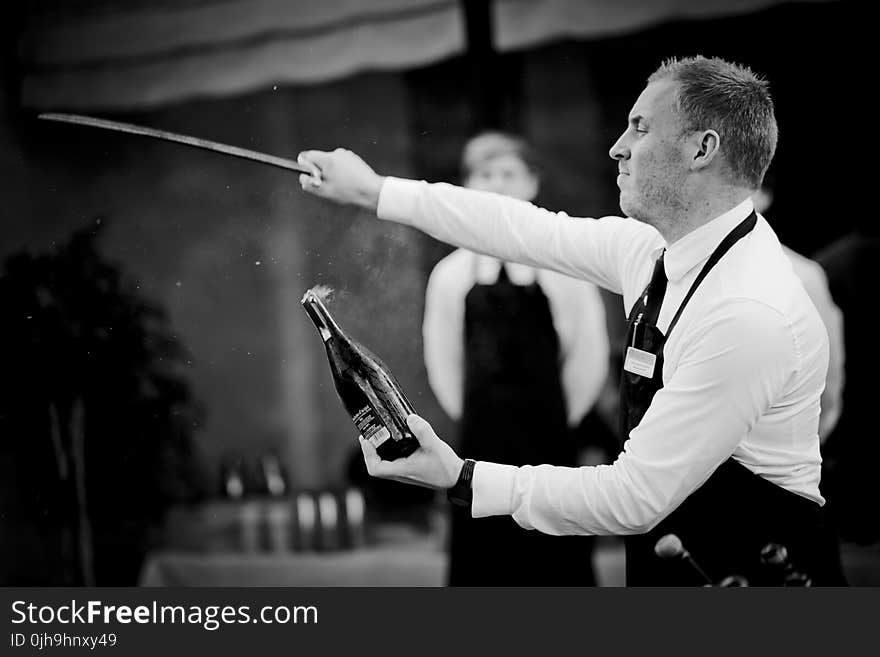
492	484
397	199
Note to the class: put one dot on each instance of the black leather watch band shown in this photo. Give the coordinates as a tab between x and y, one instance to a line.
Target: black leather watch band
462	493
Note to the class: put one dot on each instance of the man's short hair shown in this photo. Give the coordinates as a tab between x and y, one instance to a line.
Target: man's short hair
733	101
491	144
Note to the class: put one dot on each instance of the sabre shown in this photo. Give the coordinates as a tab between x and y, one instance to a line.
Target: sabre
196	142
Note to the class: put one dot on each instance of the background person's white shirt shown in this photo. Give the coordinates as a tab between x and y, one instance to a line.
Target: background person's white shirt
816	284
743	370
576	309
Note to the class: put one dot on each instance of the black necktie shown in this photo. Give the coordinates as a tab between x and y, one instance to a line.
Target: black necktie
653	296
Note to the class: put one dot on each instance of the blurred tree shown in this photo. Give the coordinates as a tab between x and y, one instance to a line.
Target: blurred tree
96	418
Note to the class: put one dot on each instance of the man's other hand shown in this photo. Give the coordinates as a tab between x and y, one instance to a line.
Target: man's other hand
433	465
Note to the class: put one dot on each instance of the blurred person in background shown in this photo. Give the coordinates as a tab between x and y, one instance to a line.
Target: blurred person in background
816	284
518	356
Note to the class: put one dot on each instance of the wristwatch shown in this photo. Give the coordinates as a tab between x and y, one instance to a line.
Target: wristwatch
462	493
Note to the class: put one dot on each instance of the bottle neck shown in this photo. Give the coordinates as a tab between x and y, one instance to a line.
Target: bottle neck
320	316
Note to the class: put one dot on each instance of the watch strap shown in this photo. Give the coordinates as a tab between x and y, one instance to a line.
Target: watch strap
462	493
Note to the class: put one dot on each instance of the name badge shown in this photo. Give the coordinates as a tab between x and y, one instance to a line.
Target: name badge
640	362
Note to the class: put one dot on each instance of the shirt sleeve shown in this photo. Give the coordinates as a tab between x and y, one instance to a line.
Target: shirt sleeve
579	318
442	331
734	363
605	251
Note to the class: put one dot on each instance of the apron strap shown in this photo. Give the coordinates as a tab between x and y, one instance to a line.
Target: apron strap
743	229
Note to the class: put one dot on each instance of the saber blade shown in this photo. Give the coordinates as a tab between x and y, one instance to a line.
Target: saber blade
195	142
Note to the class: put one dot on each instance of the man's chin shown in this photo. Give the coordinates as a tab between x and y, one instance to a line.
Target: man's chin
635	212
628	208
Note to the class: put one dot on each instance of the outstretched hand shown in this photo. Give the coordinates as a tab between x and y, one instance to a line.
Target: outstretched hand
433	465
340	176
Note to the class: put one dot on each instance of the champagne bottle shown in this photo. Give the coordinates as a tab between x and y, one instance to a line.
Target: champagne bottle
375	401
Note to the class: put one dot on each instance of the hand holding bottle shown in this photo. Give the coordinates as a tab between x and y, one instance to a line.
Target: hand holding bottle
433	465
366	387
340	176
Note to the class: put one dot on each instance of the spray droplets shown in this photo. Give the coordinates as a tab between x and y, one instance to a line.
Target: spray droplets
323	292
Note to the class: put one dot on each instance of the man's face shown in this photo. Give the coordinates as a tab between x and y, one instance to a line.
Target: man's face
504	174
651	157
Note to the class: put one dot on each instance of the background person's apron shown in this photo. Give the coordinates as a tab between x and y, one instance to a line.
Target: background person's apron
514	412
726	522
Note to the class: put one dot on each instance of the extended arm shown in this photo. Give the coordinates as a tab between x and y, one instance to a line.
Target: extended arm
735	367
605	252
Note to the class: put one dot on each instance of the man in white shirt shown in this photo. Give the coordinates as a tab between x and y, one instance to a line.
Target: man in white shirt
517	356
726	355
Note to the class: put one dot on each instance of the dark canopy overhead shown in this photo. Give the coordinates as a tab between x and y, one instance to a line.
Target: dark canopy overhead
86	54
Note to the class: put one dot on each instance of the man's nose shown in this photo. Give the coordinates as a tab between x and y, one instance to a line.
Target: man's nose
619	151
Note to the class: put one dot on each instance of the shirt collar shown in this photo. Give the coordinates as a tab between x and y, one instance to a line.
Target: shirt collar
695	247
486	270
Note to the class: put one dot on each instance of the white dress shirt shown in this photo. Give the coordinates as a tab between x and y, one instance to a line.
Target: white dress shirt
576	309
743	370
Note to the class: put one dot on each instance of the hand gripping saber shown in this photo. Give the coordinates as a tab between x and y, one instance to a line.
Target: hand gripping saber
130	128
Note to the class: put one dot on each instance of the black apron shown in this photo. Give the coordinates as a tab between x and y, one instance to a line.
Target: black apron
513	412
730	518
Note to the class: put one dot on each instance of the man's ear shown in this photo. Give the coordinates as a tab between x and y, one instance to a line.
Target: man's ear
707	144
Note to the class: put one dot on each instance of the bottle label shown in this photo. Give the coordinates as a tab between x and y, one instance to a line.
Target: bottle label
370	427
